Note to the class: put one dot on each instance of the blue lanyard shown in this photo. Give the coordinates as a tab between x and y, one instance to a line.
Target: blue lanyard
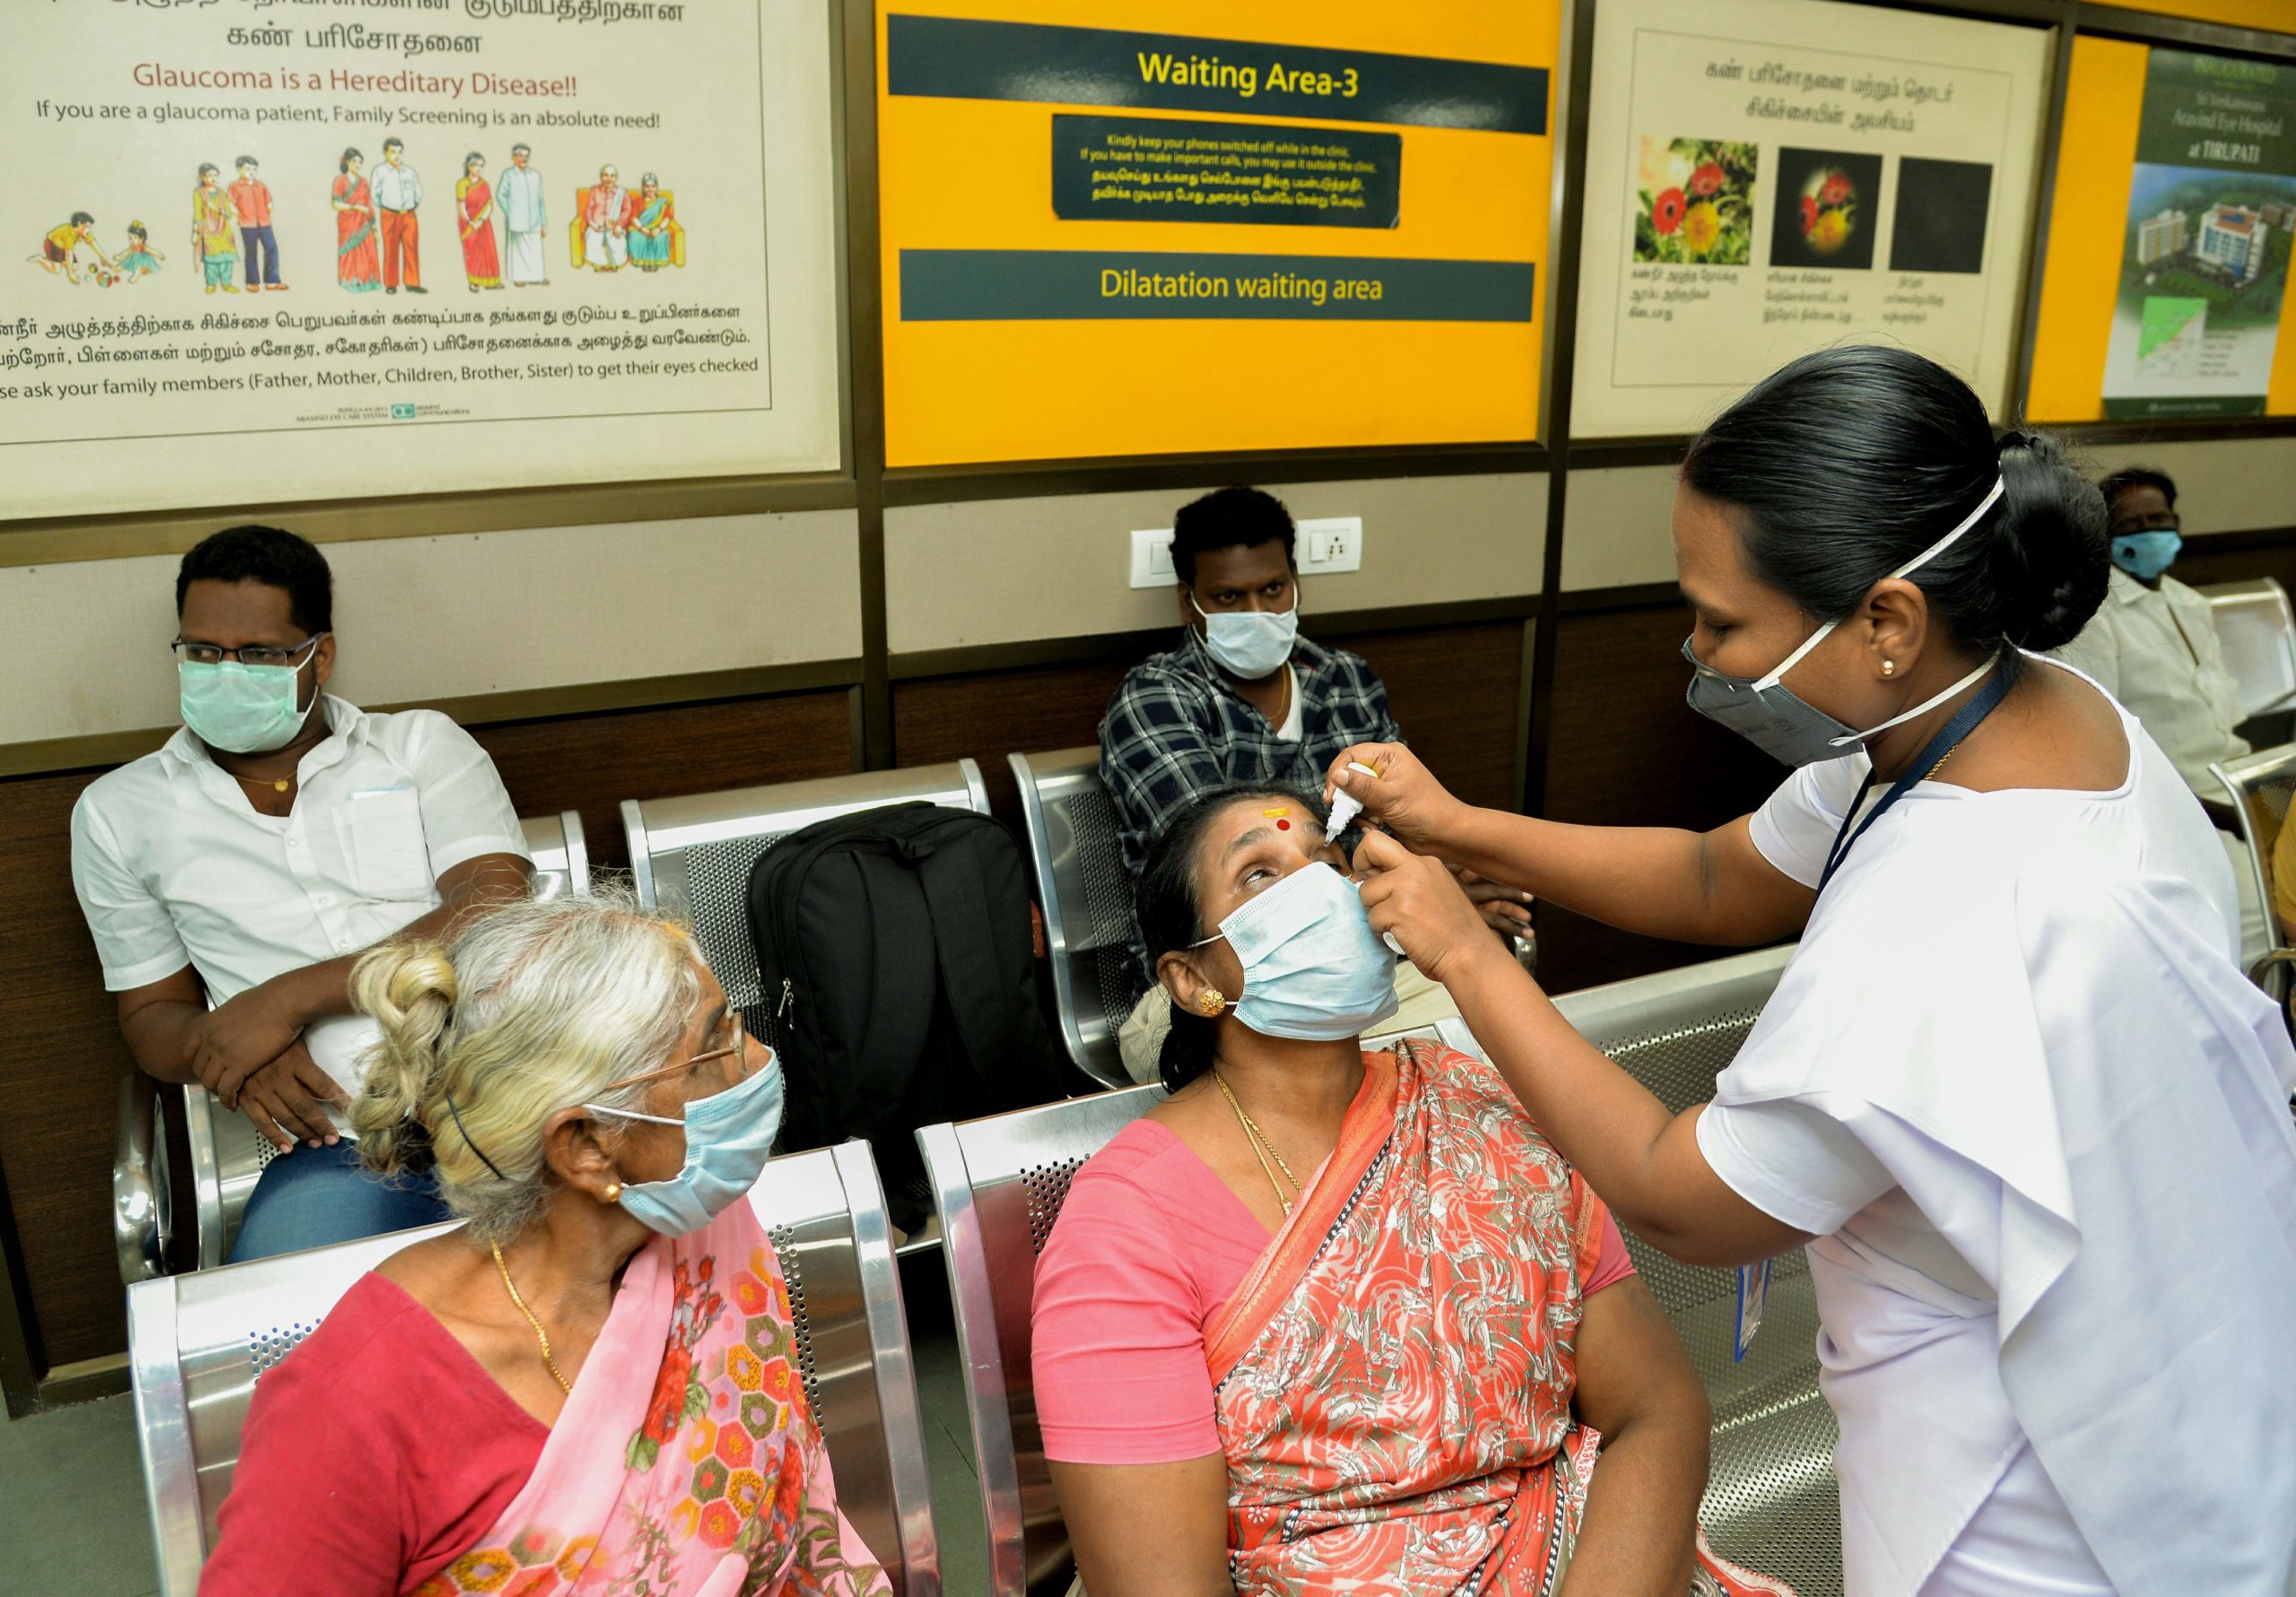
1964	722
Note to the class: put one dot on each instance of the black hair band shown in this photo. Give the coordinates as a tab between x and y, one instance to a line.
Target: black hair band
473	1147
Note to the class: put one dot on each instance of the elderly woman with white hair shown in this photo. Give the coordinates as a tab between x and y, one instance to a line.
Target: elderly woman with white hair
593	1380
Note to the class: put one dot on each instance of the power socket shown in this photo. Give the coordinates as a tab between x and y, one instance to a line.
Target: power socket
1329	543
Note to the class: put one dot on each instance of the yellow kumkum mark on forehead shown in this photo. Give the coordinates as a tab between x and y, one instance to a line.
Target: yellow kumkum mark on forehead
1279	810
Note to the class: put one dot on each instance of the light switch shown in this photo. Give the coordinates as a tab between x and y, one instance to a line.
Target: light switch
1151	558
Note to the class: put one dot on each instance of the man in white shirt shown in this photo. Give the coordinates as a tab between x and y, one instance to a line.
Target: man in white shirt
525	220
250	861
2152	645
605	223
397	191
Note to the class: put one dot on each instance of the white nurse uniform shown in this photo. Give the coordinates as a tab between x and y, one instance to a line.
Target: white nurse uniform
2017	1087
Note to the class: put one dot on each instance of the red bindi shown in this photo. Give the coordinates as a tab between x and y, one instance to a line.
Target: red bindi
1283	826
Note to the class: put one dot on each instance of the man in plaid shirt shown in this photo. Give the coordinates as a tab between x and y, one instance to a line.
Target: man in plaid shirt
1242	698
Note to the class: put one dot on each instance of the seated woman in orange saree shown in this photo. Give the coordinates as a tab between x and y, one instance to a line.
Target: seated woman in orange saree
592	1385
1328	1320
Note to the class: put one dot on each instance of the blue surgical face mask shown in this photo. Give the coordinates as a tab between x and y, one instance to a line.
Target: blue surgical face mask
728	1137
1314	971
244	709
1780	722
2145	555
1249	644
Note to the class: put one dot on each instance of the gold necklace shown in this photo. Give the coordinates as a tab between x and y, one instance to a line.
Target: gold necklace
1262	1148
279	786
540	1335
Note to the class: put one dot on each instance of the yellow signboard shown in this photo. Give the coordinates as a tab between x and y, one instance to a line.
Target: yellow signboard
2272	16
2163	296
1183	226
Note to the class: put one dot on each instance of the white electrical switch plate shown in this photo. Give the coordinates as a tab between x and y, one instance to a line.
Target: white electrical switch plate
1151	558
1331	544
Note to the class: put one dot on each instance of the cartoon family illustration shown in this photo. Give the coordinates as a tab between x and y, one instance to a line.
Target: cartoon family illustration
377	234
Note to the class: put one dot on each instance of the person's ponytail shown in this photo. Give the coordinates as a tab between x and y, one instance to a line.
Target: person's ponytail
2050	556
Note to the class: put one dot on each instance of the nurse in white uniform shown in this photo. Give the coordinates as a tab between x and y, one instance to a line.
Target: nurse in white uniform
2012	1093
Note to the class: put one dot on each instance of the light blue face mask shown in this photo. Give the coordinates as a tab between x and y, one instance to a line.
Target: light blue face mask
728	1137
1314	971
2145	555
1249	644
244	709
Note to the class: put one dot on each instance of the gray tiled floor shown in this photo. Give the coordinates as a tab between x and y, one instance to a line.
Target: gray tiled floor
72	1514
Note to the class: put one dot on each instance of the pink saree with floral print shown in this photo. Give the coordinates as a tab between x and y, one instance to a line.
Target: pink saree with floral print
707	1481
1395	1375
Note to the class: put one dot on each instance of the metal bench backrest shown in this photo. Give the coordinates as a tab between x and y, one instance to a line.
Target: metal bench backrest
692	856
2255	627
1087	898
2260	787
999	1184
227	1154
198	1343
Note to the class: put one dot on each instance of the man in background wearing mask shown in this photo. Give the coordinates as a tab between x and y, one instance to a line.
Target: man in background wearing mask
2152	645
1243	698
248	862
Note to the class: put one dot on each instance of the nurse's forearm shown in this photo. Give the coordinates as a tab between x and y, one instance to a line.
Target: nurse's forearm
1640	1157
1660	881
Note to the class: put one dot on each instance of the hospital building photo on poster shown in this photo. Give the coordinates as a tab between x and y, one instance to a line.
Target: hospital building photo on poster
1768	176
256	242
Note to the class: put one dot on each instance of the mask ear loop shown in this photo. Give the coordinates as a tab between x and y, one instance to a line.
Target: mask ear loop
2000	486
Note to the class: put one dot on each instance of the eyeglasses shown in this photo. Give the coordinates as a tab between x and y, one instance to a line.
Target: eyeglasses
209	654
739	1042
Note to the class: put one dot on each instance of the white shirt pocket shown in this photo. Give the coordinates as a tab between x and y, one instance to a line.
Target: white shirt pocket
388	858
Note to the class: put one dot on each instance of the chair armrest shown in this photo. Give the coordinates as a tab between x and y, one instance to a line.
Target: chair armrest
141	1223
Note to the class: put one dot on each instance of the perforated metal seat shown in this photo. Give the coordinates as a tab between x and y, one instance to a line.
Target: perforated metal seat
2259	787
999	1184
198	1343
227	1155
1087	898
2255	627
692	856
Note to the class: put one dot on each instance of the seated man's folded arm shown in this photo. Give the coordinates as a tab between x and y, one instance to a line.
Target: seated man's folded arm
160	1021
1638	1388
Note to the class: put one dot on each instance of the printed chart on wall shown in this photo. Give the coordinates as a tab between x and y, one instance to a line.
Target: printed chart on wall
1768	176
1177	226
2166	286
330	251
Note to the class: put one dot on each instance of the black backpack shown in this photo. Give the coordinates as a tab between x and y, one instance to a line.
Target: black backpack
896	957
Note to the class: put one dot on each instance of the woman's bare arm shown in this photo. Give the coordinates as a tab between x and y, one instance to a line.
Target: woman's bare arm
1637	1387
1148	1530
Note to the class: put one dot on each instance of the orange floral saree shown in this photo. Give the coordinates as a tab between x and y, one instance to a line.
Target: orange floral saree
1394	1377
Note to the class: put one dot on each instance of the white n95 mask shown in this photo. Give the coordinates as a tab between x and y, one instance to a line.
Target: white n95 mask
1249	644
1314	971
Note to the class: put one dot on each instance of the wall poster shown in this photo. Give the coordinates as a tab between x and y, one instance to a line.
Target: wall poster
1179	226
2166	288
1767	176
272	252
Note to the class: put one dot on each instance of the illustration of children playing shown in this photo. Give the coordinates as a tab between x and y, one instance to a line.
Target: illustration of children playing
139	259
60	248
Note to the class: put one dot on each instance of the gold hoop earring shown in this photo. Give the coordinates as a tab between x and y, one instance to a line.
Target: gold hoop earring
1211	1001
614	1191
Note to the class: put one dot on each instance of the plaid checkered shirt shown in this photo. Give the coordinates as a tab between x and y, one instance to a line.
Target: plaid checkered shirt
1176	727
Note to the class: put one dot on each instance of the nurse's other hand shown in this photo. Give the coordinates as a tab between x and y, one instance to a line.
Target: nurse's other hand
1414	900
1506	910
1404	797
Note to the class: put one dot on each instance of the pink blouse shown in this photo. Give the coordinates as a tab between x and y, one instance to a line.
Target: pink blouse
1148	1245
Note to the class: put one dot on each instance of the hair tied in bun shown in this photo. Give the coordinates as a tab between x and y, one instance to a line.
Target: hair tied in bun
2015	440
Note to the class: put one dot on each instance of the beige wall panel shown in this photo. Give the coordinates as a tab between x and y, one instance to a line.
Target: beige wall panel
2223	485
449	617
1616	528
1014	570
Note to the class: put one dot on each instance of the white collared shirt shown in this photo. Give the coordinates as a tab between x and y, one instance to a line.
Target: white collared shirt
2155	650
395	187
174	866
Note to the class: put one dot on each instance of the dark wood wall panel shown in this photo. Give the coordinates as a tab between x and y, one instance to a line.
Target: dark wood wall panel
1454	690
591	763
61	1058
1626	750
61	1061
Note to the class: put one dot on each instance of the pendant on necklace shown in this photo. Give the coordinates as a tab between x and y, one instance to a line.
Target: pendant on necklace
281	784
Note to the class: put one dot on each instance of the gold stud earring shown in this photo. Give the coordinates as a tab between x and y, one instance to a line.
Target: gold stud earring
614	1191
1211	1001
1889	667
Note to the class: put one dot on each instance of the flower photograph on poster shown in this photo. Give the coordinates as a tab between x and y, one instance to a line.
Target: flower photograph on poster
1831	204
1695	200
